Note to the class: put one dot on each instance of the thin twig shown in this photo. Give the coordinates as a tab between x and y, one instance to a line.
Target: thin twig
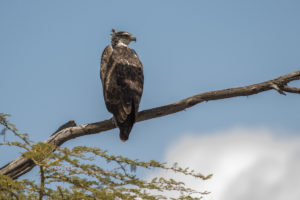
42	188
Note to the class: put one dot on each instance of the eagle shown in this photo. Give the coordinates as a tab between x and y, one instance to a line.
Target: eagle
121	74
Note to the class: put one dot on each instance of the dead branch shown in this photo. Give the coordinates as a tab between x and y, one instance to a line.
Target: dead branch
22	165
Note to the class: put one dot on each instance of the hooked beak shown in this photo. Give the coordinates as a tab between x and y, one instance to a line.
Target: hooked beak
133	38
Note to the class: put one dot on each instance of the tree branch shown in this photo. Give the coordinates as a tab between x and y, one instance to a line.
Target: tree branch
22	165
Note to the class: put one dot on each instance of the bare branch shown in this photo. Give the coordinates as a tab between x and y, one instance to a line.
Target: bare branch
22	165
291	89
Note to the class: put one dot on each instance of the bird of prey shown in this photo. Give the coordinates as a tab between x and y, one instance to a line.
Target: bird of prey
122	80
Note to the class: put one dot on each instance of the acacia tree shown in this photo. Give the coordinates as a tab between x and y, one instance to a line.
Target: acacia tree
88	181
74	175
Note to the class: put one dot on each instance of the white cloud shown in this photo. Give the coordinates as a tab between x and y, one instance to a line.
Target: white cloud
247	164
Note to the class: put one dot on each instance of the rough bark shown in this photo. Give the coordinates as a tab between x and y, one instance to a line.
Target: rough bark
70	131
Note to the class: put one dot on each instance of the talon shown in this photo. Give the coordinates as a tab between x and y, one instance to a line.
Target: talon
114	121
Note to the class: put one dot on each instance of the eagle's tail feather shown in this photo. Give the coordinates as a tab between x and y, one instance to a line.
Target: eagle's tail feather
127	125
124	132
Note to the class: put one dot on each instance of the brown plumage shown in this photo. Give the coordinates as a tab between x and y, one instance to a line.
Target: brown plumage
122	79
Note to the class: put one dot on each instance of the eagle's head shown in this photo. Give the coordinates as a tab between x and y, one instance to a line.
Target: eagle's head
121	37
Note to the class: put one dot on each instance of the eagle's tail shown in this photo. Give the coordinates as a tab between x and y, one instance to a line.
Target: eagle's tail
127	125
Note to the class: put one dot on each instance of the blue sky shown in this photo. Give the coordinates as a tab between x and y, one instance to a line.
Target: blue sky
50	53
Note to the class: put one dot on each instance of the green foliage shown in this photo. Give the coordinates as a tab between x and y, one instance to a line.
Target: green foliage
73	174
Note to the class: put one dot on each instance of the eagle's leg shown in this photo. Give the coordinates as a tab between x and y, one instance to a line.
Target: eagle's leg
114	121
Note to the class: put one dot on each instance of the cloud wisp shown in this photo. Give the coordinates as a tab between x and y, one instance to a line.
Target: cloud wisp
247	164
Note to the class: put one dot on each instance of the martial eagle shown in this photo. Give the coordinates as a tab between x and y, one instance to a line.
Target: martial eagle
122	79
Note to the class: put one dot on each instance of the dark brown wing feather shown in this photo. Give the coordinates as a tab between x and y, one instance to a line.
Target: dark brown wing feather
104	67
122	79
